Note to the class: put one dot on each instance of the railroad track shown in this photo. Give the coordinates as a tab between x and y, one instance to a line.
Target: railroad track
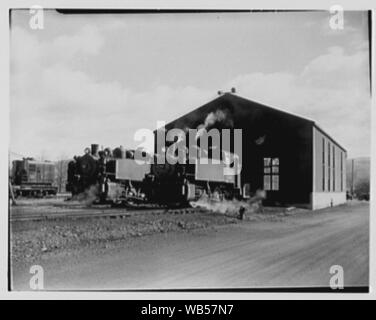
94	213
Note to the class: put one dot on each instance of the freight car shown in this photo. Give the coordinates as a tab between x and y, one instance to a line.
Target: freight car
119	178
33	178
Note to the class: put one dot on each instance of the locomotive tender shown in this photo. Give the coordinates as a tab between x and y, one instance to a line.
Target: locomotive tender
119	178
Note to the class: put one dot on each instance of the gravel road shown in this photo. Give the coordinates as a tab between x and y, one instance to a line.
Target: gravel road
293	251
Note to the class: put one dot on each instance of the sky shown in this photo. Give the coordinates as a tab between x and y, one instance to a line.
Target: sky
99	78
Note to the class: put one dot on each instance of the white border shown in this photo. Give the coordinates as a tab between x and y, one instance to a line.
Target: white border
5	5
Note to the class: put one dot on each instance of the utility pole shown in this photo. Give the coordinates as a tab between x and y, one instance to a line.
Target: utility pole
12	194
352	178
61	176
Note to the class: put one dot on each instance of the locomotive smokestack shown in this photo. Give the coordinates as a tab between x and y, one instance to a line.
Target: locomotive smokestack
94	150
122	152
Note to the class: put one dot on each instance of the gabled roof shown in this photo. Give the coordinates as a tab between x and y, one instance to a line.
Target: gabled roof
314	123
268	107
243	105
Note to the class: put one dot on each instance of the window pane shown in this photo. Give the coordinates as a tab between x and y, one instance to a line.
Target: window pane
267	170
275	162
267	182
275	169
275	182
267	162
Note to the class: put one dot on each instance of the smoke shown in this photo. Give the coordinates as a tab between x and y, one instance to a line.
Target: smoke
200	131
232	207
88	196
218	118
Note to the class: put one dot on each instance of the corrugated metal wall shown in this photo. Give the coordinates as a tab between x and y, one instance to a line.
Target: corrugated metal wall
330	164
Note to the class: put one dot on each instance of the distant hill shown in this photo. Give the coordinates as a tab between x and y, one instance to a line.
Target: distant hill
362	167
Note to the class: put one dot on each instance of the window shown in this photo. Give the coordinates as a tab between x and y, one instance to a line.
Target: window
323	164
271	174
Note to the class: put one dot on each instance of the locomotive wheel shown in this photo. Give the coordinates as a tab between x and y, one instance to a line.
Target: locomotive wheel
189	192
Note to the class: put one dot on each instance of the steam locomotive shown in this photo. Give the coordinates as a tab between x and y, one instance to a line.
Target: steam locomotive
118	177
33	178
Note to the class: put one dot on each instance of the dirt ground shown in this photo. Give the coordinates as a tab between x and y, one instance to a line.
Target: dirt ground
34	240
194	250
